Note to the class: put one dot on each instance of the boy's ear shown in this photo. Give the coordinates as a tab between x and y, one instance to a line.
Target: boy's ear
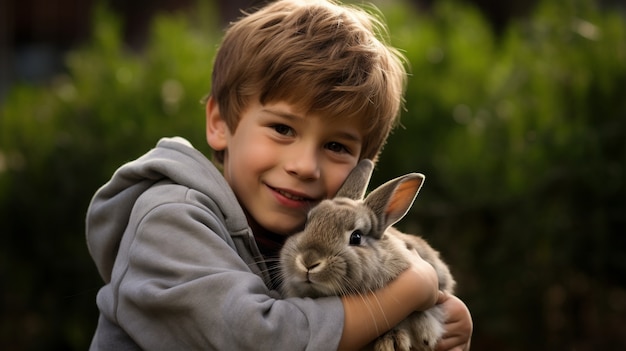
216	128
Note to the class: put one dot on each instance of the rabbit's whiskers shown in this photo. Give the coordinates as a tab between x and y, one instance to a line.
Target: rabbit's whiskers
272	268
350	287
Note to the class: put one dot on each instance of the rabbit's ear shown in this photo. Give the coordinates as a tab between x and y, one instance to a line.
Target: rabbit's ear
392	200
355	185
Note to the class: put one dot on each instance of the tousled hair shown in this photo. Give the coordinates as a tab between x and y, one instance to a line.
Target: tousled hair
324	58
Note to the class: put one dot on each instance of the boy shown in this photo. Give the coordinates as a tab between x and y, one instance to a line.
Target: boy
301	92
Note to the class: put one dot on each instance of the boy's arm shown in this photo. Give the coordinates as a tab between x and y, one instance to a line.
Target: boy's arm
369	315
182	282
179	285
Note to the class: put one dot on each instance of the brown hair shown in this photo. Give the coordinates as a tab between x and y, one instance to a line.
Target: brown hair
325	58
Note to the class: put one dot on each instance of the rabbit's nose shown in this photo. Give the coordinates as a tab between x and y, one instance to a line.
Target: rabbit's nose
312	263
308	264
312	266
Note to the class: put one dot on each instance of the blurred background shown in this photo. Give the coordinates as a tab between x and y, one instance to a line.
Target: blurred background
515	111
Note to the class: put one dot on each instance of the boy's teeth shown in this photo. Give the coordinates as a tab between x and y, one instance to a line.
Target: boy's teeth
290	196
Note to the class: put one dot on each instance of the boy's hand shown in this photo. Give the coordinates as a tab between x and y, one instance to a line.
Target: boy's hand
459	325
427	283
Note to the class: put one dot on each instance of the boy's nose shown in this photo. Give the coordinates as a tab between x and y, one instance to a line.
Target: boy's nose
303	163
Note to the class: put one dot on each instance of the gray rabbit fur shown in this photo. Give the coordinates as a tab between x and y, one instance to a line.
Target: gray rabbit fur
348	246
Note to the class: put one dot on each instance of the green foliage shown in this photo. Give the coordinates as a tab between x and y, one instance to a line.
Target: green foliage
521	137
59	143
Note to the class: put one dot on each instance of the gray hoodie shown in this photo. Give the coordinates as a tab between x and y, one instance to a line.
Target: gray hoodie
182	270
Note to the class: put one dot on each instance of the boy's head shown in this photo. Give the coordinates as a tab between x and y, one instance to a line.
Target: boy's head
327	59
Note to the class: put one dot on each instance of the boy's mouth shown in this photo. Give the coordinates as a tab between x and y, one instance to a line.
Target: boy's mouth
291	195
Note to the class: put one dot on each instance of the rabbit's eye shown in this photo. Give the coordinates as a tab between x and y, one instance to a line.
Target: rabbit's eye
355	238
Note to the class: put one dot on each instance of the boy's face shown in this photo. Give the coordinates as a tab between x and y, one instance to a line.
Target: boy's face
280	163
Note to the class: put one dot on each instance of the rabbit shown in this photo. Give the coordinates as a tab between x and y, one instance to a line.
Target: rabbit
348	246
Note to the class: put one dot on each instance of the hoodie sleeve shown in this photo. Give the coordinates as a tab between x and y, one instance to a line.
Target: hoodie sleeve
178	284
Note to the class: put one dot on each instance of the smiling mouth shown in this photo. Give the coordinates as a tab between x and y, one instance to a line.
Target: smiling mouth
291	196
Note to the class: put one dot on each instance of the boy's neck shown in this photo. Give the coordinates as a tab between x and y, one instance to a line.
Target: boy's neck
269	243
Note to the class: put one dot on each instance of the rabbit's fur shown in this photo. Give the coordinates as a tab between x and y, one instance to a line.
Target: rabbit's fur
348	247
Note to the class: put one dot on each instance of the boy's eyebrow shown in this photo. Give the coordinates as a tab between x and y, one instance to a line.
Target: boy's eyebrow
292	116
279	113
350	136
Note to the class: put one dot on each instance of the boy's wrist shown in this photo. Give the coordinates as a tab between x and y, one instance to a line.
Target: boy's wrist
423	281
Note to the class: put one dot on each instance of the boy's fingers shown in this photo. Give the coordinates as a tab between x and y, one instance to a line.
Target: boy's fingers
458	325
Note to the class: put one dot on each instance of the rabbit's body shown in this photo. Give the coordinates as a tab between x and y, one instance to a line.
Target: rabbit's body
348	247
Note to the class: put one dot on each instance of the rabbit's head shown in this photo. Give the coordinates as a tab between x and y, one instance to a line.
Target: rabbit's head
342	248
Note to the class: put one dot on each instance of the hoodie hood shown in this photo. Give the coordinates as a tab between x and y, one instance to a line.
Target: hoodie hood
174	159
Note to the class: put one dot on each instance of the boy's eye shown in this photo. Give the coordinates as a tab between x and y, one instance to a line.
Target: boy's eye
336	147
282	129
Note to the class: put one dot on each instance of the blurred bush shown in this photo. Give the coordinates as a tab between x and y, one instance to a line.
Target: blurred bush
522	140
521	136
59	143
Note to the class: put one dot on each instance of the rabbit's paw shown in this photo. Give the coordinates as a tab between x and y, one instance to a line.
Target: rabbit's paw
394	340
427	328
427	343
